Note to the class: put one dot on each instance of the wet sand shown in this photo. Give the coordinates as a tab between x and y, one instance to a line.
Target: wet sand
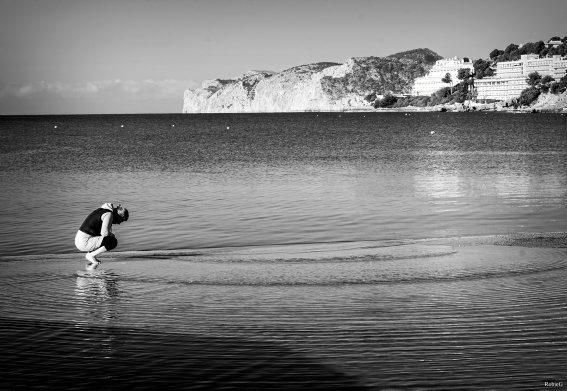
117	358
457	313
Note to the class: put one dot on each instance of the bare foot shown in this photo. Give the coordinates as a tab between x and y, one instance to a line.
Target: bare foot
93	262
92	266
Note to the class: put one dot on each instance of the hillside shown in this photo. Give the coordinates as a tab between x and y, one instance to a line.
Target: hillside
513	52
313	87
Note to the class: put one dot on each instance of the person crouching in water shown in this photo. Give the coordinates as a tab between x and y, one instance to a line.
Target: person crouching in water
95	235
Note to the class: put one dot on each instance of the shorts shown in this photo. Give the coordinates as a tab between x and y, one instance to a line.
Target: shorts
86	242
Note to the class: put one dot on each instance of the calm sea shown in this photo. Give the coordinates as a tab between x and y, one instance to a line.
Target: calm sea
286	251
194	181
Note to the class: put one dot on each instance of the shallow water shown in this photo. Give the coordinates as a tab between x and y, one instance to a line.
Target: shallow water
461	313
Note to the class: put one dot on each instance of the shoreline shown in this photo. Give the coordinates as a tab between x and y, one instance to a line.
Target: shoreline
479	108
318	250
546	103
450	108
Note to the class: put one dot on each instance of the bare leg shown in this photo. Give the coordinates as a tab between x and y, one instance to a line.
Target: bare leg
91	257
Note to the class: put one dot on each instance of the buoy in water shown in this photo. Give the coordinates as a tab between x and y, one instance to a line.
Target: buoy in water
55	127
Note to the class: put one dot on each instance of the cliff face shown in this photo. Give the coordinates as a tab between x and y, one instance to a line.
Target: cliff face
313	87
551	102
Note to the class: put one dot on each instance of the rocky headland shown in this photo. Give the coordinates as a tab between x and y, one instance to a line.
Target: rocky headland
366	84
324	86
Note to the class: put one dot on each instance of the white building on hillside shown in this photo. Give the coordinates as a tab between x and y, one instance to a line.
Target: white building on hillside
510	78
553	43
428	84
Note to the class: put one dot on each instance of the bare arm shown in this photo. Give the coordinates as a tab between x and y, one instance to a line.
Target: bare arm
106	228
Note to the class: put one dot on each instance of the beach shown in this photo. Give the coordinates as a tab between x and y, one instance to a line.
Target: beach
475	313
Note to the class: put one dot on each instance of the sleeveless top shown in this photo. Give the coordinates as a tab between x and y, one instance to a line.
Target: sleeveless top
93	223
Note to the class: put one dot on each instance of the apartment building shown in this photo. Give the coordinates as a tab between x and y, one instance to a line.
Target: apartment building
510	78
428	84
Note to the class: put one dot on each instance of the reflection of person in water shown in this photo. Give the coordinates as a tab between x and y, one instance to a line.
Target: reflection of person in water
97	297
102	286
95	235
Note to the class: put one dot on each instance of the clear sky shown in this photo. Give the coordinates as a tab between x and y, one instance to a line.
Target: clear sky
131	56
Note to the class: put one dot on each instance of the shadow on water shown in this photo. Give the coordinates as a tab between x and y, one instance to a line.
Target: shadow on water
54	355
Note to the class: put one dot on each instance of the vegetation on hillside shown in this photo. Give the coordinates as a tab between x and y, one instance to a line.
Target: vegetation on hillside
426	56
446	95
372	76
309	68
513	51
440	97
249	82
485	68
528	96
537	85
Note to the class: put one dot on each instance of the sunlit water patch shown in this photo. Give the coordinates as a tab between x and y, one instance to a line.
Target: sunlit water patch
280	178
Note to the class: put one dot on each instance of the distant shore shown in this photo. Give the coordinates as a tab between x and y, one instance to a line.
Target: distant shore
480	107
548	103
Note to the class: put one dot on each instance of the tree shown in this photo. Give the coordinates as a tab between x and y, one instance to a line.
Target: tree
510	53
442	92
464	74
495	53
528	96
467	83
533	79
448	79
370	97
562	84
539	46
514	55
510	48
532	48
544	88
554	88
481	68
544	52
547	79
459	96
388	101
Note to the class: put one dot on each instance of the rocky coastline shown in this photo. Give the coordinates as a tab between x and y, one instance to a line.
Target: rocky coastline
546	103
325	86
358	84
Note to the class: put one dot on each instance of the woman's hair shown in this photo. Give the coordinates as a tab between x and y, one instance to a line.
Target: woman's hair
122	212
